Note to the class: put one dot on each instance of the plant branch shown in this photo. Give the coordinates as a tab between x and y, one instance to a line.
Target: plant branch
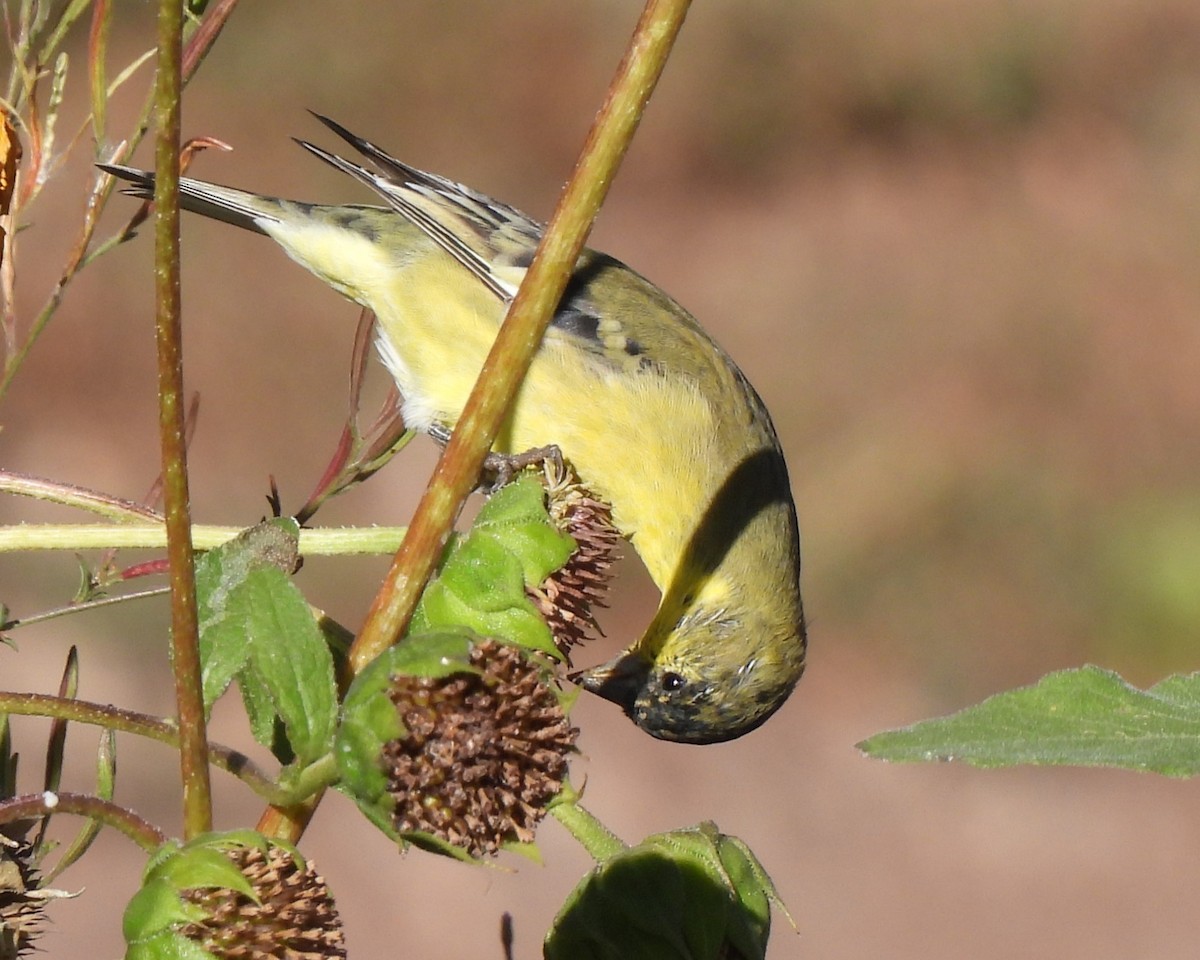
321	541
185	631
70	495
150	727
37	805
600	842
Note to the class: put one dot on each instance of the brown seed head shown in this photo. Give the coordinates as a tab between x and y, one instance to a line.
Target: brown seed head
484	754
566	598
22	911
296	920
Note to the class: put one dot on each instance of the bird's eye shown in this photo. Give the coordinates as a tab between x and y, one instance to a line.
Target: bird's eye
672	682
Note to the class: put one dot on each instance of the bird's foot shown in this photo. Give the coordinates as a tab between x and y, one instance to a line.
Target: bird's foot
500	468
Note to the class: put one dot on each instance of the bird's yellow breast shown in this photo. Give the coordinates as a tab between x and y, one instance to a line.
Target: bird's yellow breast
607	422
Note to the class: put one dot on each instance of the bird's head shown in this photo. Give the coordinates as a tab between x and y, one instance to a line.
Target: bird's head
712	675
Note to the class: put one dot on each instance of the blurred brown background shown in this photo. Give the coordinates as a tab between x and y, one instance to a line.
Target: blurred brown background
953	244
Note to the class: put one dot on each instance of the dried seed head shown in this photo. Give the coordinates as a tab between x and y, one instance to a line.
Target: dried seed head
566	598
483	755
22	913
295	920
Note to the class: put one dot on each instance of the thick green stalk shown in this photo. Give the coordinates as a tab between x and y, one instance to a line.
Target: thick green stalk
316	541
600	842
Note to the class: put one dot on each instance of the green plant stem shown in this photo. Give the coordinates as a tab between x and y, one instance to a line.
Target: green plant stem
37	805
81	607
185	631
70	495
600	842
316	776
521	333
320	541
152	728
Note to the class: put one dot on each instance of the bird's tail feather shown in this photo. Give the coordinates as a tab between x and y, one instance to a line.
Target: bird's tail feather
236	207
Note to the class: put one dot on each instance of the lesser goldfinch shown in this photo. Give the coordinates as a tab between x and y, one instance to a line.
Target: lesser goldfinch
653	415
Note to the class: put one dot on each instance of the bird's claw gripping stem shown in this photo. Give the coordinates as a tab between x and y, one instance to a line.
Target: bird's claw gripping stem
500	468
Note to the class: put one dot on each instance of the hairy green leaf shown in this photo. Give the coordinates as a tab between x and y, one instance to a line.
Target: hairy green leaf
481	583
1085	717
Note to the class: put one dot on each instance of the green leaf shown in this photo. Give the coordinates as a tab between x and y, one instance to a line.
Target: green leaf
167	945
1085	717
481	583
106	781
672	896
431	844
219	574
154	908
205	867
289	655
481	589
516	516
256	625
750	880
97	49
264	721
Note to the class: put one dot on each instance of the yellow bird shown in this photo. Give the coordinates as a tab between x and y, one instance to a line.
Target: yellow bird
654	416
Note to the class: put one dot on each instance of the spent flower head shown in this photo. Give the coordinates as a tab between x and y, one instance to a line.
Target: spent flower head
567	597
483	753
454	743
22	913
236	896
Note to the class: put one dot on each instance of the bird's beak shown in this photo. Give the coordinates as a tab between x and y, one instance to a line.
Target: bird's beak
619	680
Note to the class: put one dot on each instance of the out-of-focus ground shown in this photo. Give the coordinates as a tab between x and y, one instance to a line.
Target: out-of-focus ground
954	245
